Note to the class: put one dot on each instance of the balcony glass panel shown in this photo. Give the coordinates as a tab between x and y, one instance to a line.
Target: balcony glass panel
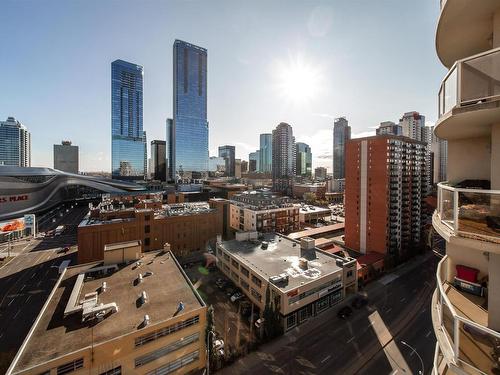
449	91
479	213
446	204
480	78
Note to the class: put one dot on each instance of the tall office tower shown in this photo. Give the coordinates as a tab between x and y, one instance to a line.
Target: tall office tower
190	126
466	303
128	160
159	160
216	164
15	143
244	166
228	153
385	177
389	128
303	163
411	124
341	134
283	170
237	168
66	157
266	153
254	161
320	173
169	149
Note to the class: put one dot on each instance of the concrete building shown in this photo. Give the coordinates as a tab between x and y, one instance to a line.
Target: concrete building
66	157
338	185
303	163
159	160
341	134
320	173
169	149
187	227
15	144
389	128
216	164
316	188
228	153
139	317
263	212
466	303
385	180
254	161
283	170
237	168
411	124
296	279
266	153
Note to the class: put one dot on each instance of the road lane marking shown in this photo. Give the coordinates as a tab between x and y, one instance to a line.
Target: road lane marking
402	299
27	299
22	288
388	310
427	334
350	340
423	310
17	313
326	358
12	300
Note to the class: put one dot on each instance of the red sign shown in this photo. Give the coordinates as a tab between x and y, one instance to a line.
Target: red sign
14	198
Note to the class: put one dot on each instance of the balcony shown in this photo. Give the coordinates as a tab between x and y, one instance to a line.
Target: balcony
470	213
460	320
469	97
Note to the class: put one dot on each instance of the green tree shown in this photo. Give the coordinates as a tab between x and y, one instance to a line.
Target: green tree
210	328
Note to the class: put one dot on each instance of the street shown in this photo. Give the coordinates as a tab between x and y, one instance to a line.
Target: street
368	342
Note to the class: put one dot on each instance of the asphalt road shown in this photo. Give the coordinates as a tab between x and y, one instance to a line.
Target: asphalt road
367	343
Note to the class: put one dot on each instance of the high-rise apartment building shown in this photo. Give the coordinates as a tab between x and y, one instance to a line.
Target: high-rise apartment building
341	134
66	157
266	153
411	124
190	125
128	143
320	173
228	153
303	163
169	149
389	128
237	168
159	160
254	161
283	147
384	184
15	143
466	302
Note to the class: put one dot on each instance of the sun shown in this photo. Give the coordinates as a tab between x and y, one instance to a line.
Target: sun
297	80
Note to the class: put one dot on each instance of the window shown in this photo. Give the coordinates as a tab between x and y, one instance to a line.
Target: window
256	281
256	294
185	341
147	217
139	341
349	273
226	257
177	364
146	241
291	321
70	367
115	371
305	313
146	229
322	304
235	276
244	271
235	263
244	285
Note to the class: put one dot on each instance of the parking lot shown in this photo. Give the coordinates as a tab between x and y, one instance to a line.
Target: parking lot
232	319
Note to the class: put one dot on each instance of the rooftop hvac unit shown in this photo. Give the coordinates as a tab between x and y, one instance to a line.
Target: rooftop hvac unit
303	263
281	278
264	245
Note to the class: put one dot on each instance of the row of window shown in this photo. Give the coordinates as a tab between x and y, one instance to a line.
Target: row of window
337	282
70	367
150	357
177	364
142	340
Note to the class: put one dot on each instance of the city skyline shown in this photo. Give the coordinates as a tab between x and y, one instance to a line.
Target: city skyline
313	42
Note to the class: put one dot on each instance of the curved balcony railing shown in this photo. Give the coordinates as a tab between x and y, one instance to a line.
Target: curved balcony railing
473	80
474	346
472	213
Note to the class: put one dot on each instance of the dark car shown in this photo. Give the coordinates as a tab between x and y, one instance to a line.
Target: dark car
344	312
359	302
64	250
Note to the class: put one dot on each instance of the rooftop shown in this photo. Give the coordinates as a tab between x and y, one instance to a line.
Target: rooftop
317	231
282	257
55	335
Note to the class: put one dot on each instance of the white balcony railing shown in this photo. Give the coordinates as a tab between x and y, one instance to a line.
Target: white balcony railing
473	80
475	347
472	213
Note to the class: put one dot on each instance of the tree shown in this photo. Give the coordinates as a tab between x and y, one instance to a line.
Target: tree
310	198
272	321
209	336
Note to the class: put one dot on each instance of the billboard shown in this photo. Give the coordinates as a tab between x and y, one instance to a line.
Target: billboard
12	225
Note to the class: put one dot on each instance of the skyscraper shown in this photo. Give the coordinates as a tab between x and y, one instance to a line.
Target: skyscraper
66	157
389	128
190	125
254	161
412	124
228	153
283	170
128	159
303	162
169	149
266	153
341	134
158	160
15	143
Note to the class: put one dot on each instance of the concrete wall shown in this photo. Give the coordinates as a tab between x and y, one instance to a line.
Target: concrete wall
469	159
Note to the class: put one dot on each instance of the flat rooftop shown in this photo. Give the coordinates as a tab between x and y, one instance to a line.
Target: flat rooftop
317	231
56	335
282	256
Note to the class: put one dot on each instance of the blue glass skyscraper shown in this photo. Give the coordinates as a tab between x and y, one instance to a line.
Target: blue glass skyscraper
190	126
128	141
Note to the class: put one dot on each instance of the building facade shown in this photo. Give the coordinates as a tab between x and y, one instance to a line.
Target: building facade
411	125
389	128
128	159
320	173
466	303
254	161
66	157
266	153
303	161
159	160
229	154
283	160
169	149
15	144
341	134
190	125
384	185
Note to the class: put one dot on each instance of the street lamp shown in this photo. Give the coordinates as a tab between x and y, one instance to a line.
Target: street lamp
421	372
208	350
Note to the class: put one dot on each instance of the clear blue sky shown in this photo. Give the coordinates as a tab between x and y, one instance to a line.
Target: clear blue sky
369	61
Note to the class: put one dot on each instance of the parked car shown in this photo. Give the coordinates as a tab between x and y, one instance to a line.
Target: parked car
236	296
219	347
344	312
63	250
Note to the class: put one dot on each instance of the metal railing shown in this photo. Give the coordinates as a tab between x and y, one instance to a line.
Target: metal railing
455	327
472	80
470	212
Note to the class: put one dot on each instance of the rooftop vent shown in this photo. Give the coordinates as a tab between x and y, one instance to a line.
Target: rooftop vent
303	263
281	278
264	245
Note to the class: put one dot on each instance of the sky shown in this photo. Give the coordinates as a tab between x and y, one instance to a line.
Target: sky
300	62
